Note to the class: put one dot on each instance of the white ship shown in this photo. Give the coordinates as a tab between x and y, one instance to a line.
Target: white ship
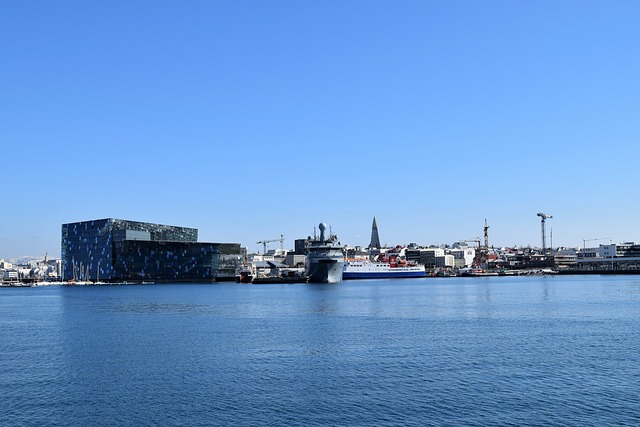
325	259
392	267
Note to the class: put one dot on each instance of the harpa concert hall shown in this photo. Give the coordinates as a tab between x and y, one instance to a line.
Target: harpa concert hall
116	250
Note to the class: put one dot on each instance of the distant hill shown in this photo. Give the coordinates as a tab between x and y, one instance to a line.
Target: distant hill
25	260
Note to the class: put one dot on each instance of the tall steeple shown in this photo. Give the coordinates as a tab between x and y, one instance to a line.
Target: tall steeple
375	239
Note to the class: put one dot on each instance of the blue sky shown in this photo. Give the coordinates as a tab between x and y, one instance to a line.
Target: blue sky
251	119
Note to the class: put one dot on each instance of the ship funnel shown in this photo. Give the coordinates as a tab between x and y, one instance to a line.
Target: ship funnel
322	228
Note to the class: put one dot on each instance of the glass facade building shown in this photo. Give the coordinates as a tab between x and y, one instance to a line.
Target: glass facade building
115	250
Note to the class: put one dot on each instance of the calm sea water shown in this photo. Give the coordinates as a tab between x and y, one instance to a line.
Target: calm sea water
454	351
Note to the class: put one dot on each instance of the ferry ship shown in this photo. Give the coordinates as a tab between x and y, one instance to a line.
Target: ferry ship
325	259
393	268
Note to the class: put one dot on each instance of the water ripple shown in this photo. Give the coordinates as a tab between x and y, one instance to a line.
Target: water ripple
416	353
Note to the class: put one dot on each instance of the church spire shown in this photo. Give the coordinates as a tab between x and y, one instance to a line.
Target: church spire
375	239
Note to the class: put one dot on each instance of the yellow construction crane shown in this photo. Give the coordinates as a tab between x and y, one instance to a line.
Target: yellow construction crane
264	243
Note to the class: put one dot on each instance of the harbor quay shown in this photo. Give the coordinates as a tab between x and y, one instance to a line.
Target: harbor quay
111	251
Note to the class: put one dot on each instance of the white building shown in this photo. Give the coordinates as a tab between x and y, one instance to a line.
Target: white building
463	257
294	260
10	276
623	256
445	261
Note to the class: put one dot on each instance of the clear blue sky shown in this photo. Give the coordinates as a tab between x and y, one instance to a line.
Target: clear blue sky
248	119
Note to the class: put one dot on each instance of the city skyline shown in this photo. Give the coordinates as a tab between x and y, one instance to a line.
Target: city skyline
248	120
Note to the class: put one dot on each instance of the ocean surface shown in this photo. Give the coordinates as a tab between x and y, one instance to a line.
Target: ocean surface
523	351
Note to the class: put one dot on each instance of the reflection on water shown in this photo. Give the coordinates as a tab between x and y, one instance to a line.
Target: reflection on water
165	309
452	351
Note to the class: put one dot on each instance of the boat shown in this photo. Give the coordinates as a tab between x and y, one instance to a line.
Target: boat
244	274
445	273
279	279
79	283
476	272
17	284
325	259
391	267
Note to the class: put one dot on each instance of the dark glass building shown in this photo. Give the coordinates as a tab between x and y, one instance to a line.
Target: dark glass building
115	250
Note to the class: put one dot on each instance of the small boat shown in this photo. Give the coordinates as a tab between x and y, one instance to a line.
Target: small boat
79	283
477	272
279	279
445	273
244	274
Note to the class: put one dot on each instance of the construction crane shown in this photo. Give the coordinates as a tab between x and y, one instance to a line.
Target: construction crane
264	243
476	240
544	217
486	235
584	241
480	257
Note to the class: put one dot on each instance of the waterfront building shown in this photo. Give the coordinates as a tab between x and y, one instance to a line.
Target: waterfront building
300	246
10	275
116	250
359	253
628	249
463	257
295	260
613	257
565	258
428	257
445	261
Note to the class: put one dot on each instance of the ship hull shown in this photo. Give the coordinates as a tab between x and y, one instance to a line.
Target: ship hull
325	270
383	275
